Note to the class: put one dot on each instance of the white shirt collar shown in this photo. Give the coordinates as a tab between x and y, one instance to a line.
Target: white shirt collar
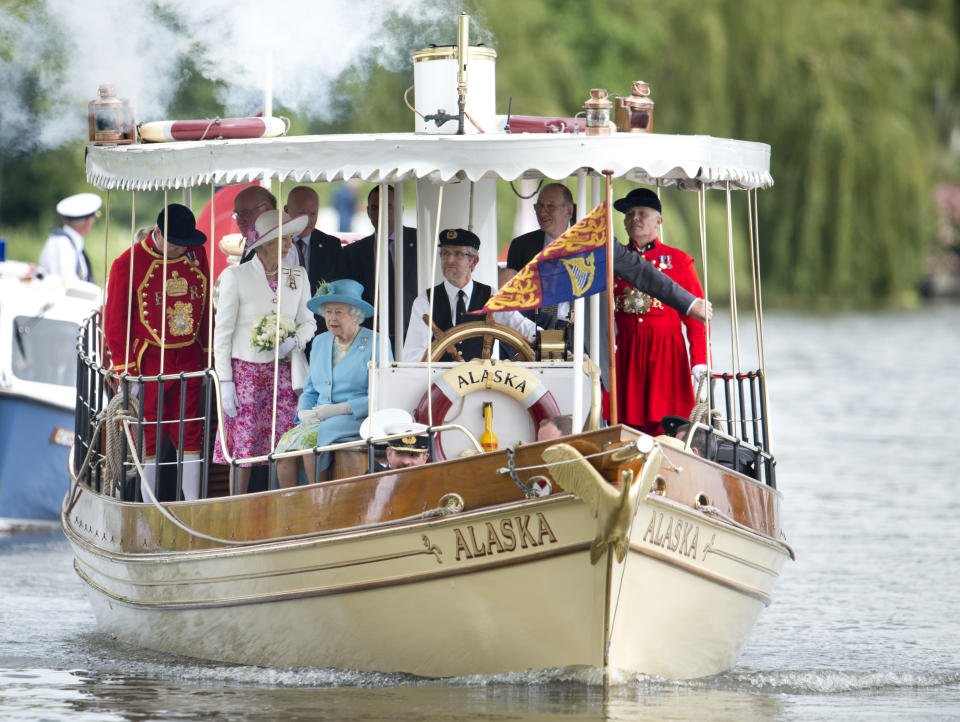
452	290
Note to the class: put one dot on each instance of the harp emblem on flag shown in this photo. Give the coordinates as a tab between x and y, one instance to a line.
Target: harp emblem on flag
581	272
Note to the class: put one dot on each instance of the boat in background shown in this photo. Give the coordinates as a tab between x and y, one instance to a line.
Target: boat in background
40	317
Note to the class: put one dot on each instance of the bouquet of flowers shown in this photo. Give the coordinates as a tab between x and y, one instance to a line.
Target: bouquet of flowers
264	333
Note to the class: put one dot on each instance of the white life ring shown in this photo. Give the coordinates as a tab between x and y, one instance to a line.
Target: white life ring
509	378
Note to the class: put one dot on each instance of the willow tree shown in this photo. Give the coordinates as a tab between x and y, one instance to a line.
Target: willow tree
844	92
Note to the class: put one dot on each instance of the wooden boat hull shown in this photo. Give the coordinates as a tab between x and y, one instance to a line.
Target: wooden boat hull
503	587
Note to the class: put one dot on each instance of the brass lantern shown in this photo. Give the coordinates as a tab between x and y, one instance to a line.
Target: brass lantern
110	118
597	109
634	114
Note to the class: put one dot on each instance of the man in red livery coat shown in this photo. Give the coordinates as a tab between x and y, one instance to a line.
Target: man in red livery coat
653	370
180	328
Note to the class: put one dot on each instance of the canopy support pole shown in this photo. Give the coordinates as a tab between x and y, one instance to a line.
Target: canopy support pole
578	319
611	335
597	192
398	287
433	274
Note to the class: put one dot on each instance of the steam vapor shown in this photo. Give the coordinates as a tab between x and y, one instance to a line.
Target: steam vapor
55	53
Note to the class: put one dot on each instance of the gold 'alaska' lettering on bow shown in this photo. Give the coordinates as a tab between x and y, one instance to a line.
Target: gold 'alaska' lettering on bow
678	536
514	532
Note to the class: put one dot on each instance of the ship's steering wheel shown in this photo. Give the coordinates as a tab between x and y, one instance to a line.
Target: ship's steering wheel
488	329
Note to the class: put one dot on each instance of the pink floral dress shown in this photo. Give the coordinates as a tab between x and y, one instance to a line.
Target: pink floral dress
248	433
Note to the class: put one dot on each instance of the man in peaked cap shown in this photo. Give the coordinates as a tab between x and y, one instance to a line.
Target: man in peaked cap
167	332
63	253
455	298
411	450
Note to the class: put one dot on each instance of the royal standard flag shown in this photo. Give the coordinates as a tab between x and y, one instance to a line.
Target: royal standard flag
573	266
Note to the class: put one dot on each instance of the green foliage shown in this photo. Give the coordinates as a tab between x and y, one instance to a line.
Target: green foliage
857	100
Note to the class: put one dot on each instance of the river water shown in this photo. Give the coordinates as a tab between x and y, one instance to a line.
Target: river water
864	625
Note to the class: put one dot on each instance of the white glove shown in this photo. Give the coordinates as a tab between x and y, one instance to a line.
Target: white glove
308	416
697	372
325	411
228	397
134	387
287	346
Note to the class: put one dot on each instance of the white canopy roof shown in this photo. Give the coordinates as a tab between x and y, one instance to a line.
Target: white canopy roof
685	160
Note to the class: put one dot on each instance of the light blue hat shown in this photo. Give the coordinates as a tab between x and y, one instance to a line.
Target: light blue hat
343	291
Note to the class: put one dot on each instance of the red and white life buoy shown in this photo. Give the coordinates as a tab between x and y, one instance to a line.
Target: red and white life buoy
164	131
509	378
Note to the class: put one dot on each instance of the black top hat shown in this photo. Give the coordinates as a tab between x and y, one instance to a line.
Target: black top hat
671	424
417	443
638	197
183	226
459	237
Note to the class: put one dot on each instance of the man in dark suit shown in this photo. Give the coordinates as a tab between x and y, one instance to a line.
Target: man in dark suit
358	260
554	208
316	251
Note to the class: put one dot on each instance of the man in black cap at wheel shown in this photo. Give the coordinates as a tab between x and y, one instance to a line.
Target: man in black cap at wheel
455	298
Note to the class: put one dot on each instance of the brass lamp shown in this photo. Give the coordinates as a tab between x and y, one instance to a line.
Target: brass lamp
597	109
634	114
110	118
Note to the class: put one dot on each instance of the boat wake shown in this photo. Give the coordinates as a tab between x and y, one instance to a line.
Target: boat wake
791	682
821	681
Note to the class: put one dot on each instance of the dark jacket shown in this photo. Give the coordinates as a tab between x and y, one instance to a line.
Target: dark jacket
358	261
521	251
523	248
325	253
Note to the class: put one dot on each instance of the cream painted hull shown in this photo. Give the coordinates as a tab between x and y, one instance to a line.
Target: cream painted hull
495	590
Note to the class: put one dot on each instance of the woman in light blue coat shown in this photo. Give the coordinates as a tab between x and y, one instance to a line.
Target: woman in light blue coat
335	398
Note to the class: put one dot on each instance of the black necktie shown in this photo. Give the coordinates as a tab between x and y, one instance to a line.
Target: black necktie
299	245
461	306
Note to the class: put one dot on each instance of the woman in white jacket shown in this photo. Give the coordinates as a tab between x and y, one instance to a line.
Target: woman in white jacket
245	362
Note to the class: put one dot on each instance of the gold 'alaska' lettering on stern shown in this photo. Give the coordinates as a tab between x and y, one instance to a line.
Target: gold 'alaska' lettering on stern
506	536
677	535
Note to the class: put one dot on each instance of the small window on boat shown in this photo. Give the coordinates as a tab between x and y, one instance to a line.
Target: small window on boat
44	350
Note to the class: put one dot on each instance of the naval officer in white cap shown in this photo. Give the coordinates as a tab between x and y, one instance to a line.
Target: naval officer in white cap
63	253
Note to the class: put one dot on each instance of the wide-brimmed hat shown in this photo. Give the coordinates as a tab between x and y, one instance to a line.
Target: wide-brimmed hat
638	197
79	205
183	226
415	441
343	291
265	228
459	237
